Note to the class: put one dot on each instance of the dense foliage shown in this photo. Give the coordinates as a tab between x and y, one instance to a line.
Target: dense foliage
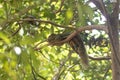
24	28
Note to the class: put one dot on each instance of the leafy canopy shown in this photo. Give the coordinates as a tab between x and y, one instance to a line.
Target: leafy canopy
24	28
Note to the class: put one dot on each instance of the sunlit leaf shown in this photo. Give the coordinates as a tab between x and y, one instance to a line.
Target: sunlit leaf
19	58
88	12
29	40
69	15
4	37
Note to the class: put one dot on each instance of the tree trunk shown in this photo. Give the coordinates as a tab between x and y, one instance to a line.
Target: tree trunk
112	22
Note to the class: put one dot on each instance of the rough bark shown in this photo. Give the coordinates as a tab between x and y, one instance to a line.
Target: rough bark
113	24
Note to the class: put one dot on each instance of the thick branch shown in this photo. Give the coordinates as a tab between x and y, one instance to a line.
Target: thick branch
98	27
116	8
101	6
112	23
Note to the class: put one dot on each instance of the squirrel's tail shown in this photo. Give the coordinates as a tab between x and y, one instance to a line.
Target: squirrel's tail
77	45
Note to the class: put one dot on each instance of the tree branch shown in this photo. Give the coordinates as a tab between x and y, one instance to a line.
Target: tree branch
60	71
77	30
90	27
13	34
48	22
101	6
107	70
57	11
116	8
33	71
100	58
14	18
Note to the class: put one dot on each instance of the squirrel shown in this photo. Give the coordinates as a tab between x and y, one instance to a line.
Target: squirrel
56	38
76	43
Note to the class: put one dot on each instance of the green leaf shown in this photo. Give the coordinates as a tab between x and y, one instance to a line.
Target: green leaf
4	37
89	12
27	40
69	15
80	14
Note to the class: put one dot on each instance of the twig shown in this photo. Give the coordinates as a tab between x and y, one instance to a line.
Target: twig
34	72
13	34
62	2
14	18
38	48
62	64
32	68
107	70
100	58
38	74
47	58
